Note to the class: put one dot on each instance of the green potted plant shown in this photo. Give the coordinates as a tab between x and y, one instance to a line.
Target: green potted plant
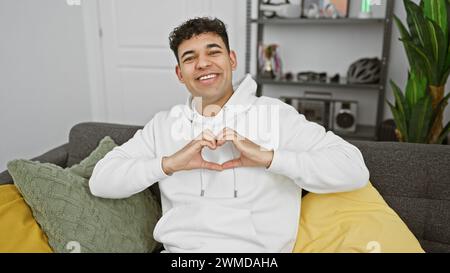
418	113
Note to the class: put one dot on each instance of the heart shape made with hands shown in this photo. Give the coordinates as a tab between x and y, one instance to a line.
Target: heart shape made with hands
224	149
224	152
231	150
241	153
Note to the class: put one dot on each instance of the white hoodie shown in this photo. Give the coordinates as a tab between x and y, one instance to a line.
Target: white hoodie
238	210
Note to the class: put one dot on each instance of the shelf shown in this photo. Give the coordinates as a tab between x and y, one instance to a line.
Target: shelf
320	21
265	25
363	132
321	84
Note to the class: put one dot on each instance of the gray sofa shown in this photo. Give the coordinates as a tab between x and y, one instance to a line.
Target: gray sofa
414	179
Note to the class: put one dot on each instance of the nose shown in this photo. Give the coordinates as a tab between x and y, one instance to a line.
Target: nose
203	62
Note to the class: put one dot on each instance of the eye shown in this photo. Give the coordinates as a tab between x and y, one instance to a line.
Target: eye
188	59
213	53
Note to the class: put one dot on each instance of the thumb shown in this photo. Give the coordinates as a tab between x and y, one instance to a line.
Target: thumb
235	163
211	166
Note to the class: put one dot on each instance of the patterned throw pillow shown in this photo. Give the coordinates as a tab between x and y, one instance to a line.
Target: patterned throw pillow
86	166
74	219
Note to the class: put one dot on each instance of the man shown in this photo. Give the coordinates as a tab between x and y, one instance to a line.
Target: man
232	188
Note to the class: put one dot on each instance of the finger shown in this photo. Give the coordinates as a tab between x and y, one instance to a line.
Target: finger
221	138
211	166
232	137
221	134
202	143
226	135
221	141
234	134
235	163
229	131
225	139
209	136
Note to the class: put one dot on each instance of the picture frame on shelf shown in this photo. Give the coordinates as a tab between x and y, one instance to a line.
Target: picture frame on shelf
331	9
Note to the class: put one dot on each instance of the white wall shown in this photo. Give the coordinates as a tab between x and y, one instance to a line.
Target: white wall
43	79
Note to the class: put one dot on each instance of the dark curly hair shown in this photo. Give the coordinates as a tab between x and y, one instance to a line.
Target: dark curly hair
194	27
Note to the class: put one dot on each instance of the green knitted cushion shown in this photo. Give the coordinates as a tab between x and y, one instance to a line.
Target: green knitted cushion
70	215
86	166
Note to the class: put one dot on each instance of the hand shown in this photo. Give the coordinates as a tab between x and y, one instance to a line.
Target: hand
190	158
252	155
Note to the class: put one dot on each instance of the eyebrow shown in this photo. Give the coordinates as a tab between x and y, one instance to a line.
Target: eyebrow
208	46
213	45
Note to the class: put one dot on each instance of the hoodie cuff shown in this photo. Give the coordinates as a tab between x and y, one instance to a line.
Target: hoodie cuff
155	171
281	162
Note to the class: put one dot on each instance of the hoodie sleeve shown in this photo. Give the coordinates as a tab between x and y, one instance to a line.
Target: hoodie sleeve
316	160
128	169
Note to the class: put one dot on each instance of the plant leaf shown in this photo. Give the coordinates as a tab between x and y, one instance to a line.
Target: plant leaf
423	62
416	87
436	10
418	26
400	101
419	123
404	34
399	121
439	47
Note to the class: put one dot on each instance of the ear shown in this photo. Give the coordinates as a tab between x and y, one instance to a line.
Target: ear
178	72
233	60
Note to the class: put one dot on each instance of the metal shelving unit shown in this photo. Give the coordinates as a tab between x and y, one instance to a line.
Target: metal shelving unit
363	131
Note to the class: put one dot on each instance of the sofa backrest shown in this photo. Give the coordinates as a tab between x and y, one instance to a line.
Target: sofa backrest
414	179
84	138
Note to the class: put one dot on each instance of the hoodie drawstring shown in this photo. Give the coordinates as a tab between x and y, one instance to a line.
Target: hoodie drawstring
232	153
202	184
202	191
234	176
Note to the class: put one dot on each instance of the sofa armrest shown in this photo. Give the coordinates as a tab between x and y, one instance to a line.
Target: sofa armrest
57	156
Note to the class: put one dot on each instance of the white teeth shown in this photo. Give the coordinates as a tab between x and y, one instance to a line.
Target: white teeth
210	76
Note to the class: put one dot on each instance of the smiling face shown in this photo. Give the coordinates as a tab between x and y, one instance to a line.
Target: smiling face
205	67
